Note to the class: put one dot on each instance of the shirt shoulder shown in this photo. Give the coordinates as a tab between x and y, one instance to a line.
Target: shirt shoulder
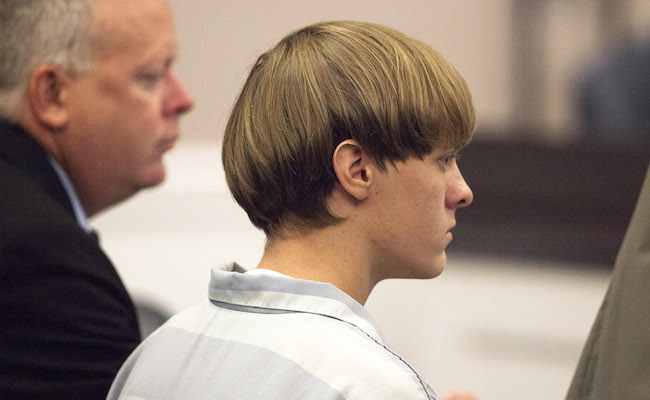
296	355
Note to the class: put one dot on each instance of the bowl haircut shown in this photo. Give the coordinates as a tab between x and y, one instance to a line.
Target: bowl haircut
323	84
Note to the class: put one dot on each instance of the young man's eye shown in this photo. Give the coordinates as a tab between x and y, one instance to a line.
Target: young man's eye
448	159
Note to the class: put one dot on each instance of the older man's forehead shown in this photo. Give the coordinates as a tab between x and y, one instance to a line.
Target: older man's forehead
121	22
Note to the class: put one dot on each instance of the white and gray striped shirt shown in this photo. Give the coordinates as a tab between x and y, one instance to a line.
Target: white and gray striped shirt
268	336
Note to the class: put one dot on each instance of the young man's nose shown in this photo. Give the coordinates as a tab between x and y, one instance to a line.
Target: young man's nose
459	193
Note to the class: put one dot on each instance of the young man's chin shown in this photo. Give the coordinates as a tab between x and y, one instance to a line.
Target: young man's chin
439	265
429	270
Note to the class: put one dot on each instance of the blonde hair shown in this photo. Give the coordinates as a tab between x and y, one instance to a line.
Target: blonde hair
325	83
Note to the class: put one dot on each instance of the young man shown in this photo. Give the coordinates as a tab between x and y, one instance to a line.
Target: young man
342	148
88	105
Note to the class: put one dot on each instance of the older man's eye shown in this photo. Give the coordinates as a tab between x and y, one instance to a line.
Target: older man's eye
149	79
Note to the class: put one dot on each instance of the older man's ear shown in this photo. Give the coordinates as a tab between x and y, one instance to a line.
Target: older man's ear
46	96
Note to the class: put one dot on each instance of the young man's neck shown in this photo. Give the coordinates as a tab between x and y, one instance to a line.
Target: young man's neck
329	255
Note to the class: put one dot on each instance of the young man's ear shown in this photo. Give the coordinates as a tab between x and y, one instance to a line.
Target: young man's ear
46	94
354	168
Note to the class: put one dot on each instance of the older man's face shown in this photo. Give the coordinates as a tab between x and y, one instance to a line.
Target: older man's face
124	112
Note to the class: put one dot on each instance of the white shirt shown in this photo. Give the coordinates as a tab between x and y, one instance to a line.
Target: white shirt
79	212
265	336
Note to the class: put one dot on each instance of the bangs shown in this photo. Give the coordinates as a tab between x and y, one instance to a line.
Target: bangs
435	101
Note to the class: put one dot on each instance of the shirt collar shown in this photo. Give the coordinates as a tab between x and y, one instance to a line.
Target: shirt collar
231	285
79	212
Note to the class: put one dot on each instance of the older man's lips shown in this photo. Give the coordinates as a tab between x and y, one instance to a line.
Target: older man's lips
167	144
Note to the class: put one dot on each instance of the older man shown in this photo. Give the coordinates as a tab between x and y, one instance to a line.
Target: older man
89	103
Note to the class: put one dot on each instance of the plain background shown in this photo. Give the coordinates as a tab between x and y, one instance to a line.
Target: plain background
221	39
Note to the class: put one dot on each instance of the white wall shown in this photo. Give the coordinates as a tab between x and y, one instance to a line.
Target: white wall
220	40
505	329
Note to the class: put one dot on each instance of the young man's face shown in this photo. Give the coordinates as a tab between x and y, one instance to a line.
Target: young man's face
414	206
124	112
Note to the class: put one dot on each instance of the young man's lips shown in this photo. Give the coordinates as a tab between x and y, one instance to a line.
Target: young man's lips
449	235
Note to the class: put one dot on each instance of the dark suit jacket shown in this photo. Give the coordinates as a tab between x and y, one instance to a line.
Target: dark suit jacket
66	321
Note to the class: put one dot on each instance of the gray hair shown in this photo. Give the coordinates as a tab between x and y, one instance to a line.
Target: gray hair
35	32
